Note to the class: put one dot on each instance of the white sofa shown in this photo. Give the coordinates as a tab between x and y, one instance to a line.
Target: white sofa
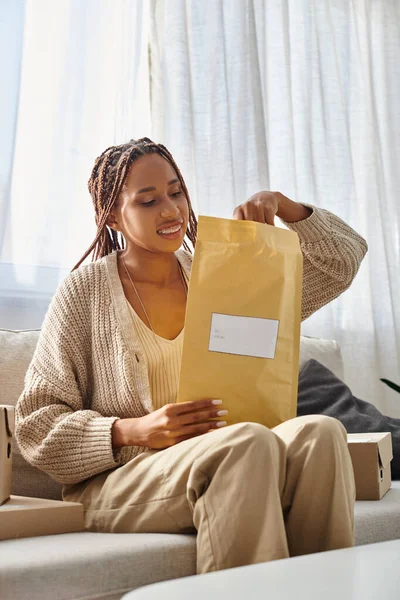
104	566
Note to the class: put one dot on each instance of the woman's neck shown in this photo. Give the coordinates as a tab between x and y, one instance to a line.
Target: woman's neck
160	270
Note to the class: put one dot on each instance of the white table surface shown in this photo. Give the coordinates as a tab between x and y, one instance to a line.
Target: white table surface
363	573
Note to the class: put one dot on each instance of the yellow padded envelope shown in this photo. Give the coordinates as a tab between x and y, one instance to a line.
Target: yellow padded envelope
242	326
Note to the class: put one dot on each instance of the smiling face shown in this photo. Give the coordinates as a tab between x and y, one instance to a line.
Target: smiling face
151	200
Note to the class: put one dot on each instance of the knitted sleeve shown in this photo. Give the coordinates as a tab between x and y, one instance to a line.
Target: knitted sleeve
54	431
332	254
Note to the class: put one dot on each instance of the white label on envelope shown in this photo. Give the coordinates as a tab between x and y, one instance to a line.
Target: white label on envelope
247	336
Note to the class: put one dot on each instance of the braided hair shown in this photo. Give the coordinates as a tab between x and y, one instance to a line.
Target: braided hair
108	176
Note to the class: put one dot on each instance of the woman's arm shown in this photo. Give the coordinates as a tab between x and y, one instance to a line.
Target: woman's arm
291	212
53	429
332	254
332	250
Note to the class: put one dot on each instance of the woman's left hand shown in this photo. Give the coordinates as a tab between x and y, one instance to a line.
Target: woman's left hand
261	207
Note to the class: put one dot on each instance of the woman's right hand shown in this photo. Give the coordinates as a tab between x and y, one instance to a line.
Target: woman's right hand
169	425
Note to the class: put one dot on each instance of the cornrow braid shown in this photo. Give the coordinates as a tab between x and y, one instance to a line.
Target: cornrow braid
108	176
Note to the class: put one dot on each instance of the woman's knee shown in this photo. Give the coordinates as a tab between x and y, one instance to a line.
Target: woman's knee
246	429
249	434
323	427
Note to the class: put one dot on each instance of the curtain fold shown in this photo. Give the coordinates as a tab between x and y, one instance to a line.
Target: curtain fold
299	96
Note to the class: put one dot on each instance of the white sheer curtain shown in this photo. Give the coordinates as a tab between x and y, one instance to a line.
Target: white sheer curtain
300	96
84	85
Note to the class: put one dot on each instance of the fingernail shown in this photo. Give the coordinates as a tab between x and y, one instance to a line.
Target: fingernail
216	402
222	412
221	423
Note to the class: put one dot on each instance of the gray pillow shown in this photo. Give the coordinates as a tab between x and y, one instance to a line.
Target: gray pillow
321	392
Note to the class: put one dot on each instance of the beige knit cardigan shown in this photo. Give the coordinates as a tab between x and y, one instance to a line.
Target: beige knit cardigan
89	369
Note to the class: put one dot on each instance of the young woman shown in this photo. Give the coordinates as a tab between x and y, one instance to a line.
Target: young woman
99	412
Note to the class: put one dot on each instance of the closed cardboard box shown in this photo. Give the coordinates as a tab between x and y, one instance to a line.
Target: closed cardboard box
27	517
371	454
6	434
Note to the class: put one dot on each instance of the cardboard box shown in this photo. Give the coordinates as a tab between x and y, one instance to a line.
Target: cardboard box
371	454
6	434
27	517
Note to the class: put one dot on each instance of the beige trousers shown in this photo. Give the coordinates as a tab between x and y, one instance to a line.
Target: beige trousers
252	494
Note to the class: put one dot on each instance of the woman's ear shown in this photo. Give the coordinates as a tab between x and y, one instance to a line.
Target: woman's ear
112	222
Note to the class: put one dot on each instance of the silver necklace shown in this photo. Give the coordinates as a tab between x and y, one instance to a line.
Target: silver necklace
147	316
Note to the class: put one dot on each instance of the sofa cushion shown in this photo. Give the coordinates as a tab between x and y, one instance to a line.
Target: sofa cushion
105	566
326	352
16	351
29	481
379	521
91	565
